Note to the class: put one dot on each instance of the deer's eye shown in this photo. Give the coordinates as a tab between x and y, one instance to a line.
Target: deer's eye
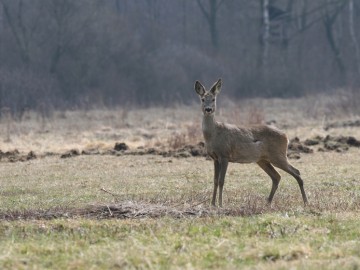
203	99
213	99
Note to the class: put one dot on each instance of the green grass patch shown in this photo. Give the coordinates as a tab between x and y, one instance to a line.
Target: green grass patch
245	234
268	241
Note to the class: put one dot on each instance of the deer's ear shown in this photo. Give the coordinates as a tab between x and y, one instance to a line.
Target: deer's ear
199	88
215	89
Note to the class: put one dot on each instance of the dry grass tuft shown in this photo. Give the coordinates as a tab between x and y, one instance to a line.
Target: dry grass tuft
157	206
190	135
177	140
6	115
135	210
194	133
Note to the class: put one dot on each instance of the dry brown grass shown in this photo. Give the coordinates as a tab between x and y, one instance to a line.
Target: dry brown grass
158	186
97	131
82	130
153	211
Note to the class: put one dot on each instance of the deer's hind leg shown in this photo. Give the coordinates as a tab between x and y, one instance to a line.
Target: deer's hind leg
287	167
274	175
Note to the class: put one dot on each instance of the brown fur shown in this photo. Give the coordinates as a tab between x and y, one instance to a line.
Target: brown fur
265	145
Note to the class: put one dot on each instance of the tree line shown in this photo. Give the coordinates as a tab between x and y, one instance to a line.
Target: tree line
83	53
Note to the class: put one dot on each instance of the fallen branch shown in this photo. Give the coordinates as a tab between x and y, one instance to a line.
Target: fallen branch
108	192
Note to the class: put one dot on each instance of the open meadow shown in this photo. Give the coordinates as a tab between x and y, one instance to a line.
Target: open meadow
70	199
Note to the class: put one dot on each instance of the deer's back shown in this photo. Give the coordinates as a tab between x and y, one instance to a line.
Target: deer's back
246	144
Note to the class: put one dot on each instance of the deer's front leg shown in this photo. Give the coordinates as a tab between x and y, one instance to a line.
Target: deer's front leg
216	180
222	173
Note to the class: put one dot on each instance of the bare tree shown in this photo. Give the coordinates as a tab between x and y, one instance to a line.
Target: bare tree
97	50
22	29
211	18
331	13
68	28
265	35
354	40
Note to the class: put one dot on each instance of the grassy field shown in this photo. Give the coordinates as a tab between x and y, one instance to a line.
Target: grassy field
57	213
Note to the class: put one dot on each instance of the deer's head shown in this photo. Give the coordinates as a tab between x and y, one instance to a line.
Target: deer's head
208	98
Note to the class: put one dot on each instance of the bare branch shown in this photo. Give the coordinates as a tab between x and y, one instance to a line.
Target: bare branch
18	39
353	35
336	7
204	12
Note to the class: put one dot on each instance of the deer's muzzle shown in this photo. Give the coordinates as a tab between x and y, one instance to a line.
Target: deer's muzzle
208	110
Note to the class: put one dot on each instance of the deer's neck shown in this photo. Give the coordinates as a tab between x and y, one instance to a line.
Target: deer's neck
208	126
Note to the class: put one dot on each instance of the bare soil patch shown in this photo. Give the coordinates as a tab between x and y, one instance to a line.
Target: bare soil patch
333	143
15	155
323	144
121	148
296	147
343	124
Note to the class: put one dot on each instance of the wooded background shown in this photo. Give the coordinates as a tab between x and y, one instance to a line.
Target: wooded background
84	53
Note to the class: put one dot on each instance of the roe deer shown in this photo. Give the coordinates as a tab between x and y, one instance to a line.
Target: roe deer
226	143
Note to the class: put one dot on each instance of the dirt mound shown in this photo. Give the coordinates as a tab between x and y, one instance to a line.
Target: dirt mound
189	150
339	143
182	152
70	153
349	123
328	143
123	149
120	146
333	143
296	147
15	155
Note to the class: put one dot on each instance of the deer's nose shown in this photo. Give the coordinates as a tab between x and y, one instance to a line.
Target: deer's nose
208	110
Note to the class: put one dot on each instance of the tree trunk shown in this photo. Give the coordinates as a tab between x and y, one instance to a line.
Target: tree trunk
302	23
211	18
212	24
329	22
18	30
264	37
354	40
184	22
